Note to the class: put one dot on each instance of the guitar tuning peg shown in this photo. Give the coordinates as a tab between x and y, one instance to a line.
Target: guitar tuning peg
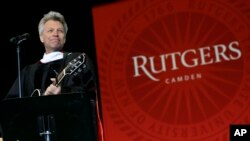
79	70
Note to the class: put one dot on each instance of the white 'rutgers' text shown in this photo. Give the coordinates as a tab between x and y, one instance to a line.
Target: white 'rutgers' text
150	66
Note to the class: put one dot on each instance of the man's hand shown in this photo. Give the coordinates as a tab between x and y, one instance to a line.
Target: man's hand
53	89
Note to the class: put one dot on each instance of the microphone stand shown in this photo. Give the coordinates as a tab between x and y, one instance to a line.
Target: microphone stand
17	41
19	71
19	67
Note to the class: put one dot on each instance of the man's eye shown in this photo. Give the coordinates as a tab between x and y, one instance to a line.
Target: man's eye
61	31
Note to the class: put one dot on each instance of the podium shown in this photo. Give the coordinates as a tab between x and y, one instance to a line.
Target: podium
65	117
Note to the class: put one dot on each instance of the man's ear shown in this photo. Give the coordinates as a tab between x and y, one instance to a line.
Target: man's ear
41	38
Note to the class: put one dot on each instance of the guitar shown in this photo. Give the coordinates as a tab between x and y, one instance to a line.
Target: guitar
74	67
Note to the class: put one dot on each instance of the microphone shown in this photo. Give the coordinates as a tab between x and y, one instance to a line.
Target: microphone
18	39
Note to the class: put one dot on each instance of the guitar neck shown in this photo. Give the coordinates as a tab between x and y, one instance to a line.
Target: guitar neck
60	77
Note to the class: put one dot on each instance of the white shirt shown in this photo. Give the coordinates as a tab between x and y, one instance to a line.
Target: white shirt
51	56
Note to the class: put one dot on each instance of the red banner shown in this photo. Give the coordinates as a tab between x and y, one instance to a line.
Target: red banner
173	70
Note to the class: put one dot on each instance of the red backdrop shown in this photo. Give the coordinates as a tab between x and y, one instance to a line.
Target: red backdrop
173	70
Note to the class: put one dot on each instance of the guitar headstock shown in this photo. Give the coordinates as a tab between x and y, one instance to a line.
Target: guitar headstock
74	67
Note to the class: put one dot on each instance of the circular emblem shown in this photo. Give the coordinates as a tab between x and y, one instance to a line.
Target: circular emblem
177	70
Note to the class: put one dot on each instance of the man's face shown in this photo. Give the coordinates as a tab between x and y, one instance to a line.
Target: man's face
53	36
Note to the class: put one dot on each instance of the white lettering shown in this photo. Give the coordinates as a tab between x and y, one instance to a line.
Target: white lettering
240	132
153	65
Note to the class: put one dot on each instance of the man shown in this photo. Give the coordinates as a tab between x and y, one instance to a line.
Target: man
47	76
41	75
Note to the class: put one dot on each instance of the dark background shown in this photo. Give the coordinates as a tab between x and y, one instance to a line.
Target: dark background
18	17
